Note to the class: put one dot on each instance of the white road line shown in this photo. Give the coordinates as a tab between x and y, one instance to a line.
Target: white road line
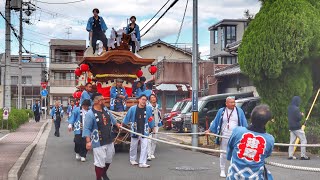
4	136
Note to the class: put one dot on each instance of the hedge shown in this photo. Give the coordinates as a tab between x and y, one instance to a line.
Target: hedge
16	118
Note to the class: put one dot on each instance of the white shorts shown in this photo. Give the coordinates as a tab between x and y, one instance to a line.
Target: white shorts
103	154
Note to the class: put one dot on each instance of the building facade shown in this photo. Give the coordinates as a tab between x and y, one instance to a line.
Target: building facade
34	71
223	33
64	58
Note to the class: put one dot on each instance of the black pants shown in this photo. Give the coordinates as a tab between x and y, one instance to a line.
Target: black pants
80	145
37	116
57	123
133	46
99	36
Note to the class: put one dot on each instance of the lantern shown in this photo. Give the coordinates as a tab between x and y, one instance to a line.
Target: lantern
153	69
139	73
74	95
84	67
79	93
89	80
77	72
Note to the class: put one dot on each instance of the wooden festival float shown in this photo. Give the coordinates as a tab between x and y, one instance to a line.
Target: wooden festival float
102	71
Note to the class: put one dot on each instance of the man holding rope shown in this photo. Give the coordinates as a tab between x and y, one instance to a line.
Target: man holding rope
226	120
141	119
295	116
98	133
249	147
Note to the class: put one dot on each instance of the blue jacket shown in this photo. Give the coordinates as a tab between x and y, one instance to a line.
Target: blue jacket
114	95
85	95
216	124
69	110
131	118
90	23
34	108
53	112
136	29
294	114
90	127
159	113
147	92
244	164
75	120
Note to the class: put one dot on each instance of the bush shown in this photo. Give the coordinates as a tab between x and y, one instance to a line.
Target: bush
16	118
30	112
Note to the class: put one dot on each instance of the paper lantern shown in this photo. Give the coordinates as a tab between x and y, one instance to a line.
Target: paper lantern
139	73
74	95
153	69
79	93
77	72
84	67
89	79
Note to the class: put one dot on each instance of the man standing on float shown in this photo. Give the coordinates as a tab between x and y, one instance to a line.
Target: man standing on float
97	28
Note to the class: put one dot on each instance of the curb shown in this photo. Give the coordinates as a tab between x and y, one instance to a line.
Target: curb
17	169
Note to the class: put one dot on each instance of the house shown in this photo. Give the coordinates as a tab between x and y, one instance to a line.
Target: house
64	58
226	31
173	80
33	73
225	38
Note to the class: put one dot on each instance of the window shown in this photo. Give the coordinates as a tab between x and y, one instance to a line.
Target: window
215	60
26	79
229	60
14	80
230	34
170	101
64	76
222	40
215	37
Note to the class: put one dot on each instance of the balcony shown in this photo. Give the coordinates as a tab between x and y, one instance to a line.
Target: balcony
66	59
63	83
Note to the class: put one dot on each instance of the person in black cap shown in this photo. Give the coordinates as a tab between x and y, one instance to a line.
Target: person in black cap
97	28
249	147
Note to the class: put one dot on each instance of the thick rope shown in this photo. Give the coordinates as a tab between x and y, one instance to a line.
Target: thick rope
301	168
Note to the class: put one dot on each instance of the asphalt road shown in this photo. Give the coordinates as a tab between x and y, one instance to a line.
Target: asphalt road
171	164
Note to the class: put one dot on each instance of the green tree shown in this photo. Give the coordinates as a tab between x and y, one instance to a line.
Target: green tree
277	52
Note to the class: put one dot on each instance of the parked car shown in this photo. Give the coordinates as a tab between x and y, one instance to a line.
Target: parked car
208	107
177	108
247	105
177	121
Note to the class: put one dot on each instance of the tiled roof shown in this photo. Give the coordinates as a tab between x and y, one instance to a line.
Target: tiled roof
172	87
230	70
167	44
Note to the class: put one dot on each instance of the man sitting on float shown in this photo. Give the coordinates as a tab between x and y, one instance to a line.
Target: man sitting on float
118	97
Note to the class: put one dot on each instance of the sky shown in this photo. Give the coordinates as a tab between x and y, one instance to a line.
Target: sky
52	21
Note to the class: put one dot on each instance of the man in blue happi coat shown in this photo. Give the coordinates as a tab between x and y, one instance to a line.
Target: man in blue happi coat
226	120
97	130
118	97
76	121
57	115
249	147
97	29
141	121
87	93
36	111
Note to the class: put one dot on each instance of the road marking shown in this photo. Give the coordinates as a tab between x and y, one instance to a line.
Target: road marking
4	136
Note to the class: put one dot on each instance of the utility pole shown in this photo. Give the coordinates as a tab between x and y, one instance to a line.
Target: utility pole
7	78
195	85
68	31
20	59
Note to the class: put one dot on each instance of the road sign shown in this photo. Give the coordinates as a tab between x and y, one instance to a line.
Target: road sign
44	85
44	93
5	114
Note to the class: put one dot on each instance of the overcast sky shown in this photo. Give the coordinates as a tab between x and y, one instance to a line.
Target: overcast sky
52	21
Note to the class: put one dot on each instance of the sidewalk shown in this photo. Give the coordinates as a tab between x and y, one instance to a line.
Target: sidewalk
13	145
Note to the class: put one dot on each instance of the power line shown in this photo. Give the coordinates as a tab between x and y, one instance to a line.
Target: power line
160	17
178	36
70	2
154	15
